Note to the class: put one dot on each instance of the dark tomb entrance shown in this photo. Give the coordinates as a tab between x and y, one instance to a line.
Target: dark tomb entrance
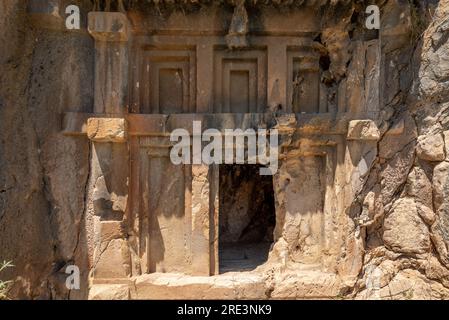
246	217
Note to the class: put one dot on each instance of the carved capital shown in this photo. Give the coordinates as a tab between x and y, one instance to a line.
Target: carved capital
363	130
107	129
108	26
46	14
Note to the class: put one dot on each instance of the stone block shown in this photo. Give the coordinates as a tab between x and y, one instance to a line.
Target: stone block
168	286
109	292
440	185
111	230
431	147
363	130
419	186
108	26
303	285
113	261
107	129
404	230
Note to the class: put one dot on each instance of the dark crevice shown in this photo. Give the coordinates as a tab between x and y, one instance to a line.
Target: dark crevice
246	217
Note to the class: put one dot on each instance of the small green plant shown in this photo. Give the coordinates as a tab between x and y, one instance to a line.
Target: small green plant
4	285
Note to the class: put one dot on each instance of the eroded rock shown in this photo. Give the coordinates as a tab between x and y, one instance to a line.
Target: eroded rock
363	130
404	230
431	148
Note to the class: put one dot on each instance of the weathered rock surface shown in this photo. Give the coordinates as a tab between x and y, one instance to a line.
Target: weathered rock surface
363	130
404	230
43	176
431	148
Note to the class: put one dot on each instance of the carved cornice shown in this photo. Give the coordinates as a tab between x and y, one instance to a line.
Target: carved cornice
254	2
113	5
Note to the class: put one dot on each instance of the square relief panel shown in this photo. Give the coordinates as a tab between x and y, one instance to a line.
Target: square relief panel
168	80
240	81
303	83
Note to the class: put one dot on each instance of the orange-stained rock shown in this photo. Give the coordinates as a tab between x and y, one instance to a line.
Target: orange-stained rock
107	129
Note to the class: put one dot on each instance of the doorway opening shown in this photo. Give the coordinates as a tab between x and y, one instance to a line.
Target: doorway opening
246	217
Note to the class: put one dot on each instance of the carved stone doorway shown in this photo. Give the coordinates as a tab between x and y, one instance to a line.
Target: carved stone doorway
246	217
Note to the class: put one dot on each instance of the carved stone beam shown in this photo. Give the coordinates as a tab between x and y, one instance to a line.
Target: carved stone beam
107	129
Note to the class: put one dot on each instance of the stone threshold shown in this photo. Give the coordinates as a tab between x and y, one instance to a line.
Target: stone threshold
299	284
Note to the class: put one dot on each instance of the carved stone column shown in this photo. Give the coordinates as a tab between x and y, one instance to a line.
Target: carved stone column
108	132
204	220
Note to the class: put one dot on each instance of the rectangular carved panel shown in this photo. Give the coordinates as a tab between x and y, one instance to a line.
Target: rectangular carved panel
239	97
166	216
171	90
175	208
167	81
164	210
303	89
304	203
240	81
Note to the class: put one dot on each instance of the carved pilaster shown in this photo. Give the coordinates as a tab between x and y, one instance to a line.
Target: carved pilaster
111	33
110	160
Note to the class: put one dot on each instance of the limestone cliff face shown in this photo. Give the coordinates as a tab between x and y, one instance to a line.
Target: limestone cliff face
402	202
25	223
43	176
398	220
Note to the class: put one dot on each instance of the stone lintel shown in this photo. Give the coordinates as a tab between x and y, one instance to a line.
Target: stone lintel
363	130
158	124
143	124
107	129
108	26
